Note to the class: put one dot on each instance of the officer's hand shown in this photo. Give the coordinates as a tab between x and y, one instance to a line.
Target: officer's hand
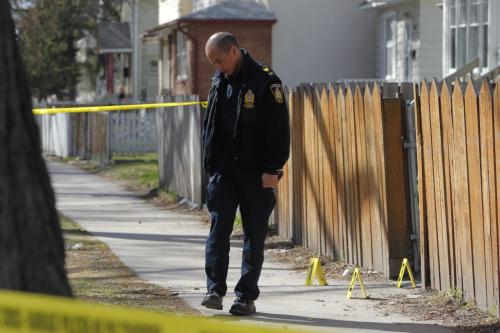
269	181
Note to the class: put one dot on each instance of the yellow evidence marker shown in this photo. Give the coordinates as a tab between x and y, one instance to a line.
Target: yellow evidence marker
406	266
356	276
315	270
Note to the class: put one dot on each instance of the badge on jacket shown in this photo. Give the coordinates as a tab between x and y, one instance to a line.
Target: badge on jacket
277	91
249	99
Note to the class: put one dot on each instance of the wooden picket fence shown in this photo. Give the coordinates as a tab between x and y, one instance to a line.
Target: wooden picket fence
179	148
458	146
344	192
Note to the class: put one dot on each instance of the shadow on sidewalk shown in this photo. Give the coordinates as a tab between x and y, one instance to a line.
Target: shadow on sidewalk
187	239
333	323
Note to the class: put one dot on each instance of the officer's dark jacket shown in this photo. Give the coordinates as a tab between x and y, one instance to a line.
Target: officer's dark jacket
262	131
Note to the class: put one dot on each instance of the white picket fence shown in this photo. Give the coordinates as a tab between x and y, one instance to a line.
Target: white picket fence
132	132
55	134
103	134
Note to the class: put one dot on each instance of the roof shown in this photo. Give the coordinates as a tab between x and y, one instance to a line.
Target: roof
230	10
247	10
114	37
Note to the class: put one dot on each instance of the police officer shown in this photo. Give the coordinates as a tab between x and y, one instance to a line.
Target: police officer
246	142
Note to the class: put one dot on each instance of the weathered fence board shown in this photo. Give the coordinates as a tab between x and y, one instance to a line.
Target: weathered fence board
422	190
438	177
447	140
381	194
475	190
350	177
325	142
496	159
488	186
428	179
179	149
460	201
461	188
375	220
340	183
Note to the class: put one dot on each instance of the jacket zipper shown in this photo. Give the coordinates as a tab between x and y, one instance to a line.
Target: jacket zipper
212	121
238	111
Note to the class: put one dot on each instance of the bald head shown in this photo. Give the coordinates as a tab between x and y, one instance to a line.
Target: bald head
223	52
222	41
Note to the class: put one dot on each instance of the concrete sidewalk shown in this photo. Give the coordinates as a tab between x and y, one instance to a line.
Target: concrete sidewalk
167	248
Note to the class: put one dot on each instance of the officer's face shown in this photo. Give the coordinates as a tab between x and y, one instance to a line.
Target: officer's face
225	62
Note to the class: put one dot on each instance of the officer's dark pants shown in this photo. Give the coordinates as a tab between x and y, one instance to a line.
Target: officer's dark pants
225	192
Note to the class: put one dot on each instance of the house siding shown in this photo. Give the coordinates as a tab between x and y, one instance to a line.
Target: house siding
379	54
170	10
337	40
494	37
430	57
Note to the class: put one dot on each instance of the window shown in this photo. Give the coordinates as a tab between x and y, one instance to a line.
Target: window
467	32
181	56
153	65
389	21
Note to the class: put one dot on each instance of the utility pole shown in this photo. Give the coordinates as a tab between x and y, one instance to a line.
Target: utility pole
136	52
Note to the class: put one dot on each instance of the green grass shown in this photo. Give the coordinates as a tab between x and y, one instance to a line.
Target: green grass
69	159
455	293
67	225
142	174
139	171
135	158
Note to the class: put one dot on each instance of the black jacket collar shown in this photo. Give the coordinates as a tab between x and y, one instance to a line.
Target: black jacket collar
242	75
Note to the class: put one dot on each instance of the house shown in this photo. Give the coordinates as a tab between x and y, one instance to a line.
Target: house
86	85
307	39
114	50
142	16
184	69
322	40
409	39
471	30
120	63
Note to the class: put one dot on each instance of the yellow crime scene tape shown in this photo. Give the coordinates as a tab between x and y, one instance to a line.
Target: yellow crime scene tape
107	108
32	313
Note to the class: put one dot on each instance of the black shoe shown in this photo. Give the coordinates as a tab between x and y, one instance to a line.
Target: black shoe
212	300
242	307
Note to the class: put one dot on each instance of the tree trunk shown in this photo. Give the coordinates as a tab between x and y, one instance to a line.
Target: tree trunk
31	243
